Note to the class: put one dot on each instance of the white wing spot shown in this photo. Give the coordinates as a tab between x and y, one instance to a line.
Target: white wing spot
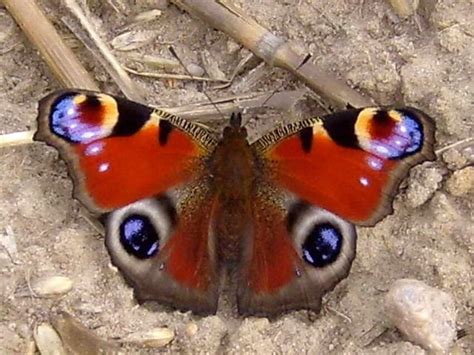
104	167
364	181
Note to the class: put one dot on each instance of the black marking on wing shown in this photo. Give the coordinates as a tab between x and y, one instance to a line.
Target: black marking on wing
170	209
306	138
341	127
382	116
92	101
132	117
294	214
165	129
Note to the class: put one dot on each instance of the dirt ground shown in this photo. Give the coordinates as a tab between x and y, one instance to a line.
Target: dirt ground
426	60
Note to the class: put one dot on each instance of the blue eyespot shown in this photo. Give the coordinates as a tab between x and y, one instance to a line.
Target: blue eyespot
323	245
77	123
139	237
414	133
406	139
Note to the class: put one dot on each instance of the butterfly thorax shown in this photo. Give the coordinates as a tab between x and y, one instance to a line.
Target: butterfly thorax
232	172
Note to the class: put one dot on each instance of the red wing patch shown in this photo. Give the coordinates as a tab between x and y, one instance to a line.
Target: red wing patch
333	177
189	261
272	259
119	170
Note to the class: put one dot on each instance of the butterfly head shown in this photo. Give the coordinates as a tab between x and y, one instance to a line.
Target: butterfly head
235	130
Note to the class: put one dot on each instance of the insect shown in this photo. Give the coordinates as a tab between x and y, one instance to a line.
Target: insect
181	207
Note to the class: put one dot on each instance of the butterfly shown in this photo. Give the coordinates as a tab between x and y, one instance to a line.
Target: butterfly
181	207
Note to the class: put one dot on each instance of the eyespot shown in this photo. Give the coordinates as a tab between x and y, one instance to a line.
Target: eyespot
135	233
78	118
393	134
322	245
323	240
139	237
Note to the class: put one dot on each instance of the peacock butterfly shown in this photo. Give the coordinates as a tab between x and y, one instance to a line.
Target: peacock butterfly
181	207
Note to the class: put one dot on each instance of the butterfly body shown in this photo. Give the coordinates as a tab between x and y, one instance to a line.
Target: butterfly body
232	181
180	205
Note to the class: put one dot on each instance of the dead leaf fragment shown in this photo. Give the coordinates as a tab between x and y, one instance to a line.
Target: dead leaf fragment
211	66
155	61
134	39
77	339
153	338
147	16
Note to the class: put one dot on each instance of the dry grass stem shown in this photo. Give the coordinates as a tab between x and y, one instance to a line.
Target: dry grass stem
172	76
16	138
61	60
84	30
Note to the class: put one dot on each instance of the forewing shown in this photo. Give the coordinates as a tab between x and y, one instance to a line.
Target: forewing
351	162
120	151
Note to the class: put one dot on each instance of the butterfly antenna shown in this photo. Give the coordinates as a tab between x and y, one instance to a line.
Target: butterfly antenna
303	62
174	54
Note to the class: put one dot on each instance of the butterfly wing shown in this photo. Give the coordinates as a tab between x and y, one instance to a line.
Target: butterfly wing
165	248
351	162
345	166
297	254
119	151
132	164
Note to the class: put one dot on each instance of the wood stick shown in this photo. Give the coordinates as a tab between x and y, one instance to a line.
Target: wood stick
60	59
222	15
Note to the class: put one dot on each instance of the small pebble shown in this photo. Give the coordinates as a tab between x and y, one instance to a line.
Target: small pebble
404	8
51	286
194	69
191	329
424	314
457	159
208	340
461	182
424	182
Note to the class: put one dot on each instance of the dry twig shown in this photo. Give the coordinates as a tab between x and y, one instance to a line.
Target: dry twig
275	51
91	39
60	59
